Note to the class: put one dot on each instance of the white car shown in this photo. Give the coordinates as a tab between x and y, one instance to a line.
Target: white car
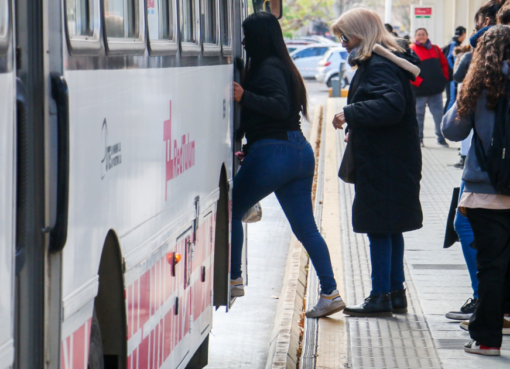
329	66
307	58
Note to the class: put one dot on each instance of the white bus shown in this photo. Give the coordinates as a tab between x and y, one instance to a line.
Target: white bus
116	148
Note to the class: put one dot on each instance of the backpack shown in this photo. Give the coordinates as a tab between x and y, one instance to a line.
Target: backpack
496	162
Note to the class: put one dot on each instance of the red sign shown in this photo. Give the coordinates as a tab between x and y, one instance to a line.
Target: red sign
422	11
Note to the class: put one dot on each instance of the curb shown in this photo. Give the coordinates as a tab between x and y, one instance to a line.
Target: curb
284	349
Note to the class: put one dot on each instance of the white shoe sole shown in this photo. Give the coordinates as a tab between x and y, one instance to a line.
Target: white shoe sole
483	352
458	316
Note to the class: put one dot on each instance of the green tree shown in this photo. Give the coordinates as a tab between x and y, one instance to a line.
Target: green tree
299	13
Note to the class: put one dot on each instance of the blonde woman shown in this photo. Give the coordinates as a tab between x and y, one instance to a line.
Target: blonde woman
384	153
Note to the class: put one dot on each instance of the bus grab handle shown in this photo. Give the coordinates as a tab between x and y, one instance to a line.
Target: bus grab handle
59	92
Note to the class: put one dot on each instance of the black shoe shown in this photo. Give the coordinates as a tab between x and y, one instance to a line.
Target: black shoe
465	311
373	306
399	301
422	144
443	143
460	164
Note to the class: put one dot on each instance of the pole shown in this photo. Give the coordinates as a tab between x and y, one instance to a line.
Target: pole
387	13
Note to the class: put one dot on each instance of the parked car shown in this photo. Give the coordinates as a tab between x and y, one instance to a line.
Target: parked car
307	58
329	67
291	48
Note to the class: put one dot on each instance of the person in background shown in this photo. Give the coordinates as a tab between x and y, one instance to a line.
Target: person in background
484	17
384	148
451	88
431	82
389	28
277	157
462	60
503	16
488	212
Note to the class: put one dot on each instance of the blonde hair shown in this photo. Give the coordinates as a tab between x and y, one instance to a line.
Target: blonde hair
366	26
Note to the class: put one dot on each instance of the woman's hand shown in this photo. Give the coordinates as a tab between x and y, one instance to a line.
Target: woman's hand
238	92
339	120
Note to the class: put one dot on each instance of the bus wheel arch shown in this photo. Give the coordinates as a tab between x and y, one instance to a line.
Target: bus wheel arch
110	304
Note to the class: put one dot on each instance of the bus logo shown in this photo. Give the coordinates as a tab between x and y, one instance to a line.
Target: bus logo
112	153
179	156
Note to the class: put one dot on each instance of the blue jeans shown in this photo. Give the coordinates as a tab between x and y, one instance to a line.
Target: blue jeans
435	103
387	257
285	168
466	237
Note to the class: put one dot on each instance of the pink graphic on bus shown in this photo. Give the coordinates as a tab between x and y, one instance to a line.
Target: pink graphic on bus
180	156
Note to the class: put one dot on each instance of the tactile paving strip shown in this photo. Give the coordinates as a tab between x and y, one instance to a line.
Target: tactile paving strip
403	341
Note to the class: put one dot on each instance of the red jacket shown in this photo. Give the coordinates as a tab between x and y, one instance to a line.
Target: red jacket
433	53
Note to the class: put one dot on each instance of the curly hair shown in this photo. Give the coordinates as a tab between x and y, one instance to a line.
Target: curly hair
486	71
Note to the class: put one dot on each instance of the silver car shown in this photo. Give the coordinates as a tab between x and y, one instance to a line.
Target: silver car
329	66
306	58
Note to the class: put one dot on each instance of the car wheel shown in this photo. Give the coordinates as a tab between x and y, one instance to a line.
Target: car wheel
328	82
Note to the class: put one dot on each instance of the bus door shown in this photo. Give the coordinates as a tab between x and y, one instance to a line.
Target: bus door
7	182
41	180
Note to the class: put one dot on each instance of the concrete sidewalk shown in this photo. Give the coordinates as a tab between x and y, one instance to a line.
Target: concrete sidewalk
437	280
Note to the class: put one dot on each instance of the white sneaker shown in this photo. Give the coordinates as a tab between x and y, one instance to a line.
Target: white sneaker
327	305
474	347
236	287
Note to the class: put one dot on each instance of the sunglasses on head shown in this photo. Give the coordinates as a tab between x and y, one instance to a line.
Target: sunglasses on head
344	39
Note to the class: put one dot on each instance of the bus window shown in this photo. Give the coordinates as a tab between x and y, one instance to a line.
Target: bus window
226	37
189	27
79	18
4	25
4	16
124	21
161	21
210	22
83	21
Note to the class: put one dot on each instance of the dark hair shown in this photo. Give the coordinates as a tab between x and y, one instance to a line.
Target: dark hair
389	27
459	31
486	71
504	14
263	39
421	29
489	10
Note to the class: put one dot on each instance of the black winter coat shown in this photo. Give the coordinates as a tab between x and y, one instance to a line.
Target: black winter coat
268	109
381	117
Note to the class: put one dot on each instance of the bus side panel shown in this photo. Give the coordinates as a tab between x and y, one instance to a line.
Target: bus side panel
168	317
7	197
145	143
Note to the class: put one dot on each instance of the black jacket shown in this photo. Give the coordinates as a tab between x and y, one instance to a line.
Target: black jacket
268	110
381	115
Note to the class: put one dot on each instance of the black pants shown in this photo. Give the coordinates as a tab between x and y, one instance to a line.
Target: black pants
492	240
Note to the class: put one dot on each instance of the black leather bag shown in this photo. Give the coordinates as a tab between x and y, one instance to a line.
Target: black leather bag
347	170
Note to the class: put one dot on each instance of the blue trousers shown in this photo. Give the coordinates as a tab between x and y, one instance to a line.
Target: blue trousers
387	256
285	168
466	237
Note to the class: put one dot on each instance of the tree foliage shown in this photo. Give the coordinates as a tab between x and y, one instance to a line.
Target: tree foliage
298	13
